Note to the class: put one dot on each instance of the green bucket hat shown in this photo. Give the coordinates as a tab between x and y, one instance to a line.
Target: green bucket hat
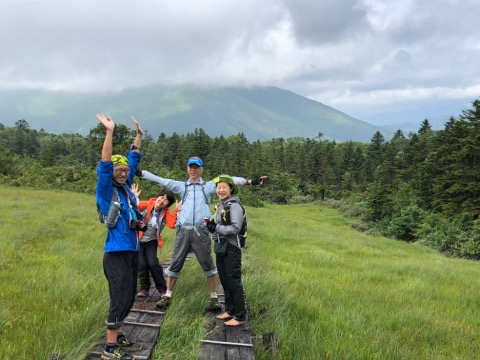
228	179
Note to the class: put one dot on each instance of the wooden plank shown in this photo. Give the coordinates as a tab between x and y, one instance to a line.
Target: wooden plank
143	324
225	343
214	333
240	334
148	311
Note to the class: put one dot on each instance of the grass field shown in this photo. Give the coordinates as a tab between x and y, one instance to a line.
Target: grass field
324	290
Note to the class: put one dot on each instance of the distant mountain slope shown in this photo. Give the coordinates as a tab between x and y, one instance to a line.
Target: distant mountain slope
259	112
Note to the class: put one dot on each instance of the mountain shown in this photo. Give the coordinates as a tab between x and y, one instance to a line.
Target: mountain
258	112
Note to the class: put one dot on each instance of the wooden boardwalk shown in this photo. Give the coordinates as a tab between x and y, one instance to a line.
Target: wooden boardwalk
143	325
225	342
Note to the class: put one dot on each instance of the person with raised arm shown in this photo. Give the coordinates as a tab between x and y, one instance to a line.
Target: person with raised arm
117	208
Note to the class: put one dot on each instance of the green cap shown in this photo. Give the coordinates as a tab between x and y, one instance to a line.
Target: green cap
227	179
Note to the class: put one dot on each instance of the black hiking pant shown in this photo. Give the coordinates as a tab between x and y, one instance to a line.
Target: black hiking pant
148	264
230	272
121	270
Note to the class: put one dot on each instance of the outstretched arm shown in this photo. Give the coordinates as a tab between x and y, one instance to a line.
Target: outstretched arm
255	181
107	143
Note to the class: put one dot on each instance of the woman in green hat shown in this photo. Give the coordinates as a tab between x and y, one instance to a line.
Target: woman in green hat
226	226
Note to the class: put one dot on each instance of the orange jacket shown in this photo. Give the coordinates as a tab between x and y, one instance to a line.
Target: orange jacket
170	219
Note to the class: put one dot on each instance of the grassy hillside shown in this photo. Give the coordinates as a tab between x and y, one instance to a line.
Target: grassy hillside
324	290
260	112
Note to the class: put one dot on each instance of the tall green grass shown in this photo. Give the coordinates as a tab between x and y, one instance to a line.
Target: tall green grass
329	292
53	292
324	290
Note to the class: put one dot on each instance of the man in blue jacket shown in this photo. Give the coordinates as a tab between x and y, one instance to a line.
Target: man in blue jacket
120	262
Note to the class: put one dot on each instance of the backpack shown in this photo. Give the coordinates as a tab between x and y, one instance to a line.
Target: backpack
113	214
242	235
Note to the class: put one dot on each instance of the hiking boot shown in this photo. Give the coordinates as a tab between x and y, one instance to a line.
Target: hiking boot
126	344
213	305
163	303
116	354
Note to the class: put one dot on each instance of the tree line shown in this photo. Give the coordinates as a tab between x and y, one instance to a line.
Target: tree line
423	186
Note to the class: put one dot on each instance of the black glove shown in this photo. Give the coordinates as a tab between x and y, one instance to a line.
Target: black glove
138	173
256	181
211	226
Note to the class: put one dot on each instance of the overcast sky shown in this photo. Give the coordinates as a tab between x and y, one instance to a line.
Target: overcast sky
377	60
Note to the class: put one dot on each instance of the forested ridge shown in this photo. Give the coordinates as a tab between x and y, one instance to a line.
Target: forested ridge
422	186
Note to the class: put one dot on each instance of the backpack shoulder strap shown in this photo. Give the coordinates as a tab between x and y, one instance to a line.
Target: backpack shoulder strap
242	235
226	208
115	196
207	199
185	193
233	201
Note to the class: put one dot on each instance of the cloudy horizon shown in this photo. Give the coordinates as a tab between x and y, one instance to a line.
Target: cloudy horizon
376	60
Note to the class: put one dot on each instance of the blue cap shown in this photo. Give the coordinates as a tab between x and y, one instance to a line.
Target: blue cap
195	160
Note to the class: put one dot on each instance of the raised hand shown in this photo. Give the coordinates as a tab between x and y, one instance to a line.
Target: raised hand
178	205
107	122
135	190
137	126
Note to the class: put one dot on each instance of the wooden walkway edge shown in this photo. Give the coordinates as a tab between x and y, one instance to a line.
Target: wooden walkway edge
143	325
225	342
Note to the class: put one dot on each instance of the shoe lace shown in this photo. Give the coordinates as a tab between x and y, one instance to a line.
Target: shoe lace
125	341
118	353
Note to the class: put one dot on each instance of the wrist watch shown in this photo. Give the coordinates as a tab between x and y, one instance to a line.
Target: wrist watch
133	147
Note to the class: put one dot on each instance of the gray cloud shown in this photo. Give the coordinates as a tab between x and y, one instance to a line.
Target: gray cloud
320	22
364	57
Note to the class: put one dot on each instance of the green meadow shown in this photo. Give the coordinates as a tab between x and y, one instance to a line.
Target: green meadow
323	289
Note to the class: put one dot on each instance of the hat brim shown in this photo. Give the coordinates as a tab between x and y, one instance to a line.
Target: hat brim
195	162
229	181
